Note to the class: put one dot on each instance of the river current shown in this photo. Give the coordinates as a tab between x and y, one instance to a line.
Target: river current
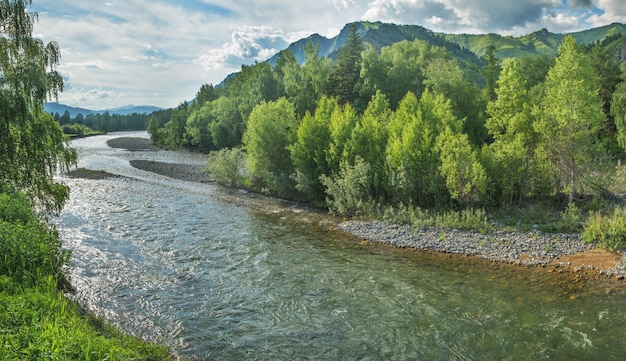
183	264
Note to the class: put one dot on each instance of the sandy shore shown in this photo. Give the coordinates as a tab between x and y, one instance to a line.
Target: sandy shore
533	249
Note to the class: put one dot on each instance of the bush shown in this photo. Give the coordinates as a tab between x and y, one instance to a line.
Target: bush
31	251
606	231
467	219
15	208
226	167
349	192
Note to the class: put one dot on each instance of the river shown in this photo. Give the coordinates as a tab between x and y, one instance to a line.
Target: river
183	264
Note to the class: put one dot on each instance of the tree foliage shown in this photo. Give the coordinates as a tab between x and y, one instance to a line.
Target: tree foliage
412	151
410	125
305	84
511	125
270	133
308	153
345	77
571	116
618	109
32	144
466	178
491	71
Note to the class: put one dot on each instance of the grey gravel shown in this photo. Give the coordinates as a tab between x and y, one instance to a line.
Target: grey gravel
524	248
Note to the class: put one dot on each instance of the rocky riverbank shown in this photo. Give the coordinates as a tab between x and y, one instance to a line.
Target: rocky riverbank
528	249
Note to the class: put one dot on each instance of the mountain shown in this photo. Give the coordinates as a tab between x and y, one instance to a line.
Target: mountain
468	48
129	109
540	42
379	35
54	107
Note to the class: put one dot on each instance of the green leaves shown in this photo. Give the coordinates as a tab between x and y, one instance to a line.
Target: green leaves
271	131
31	142
571	115
618	109
308	153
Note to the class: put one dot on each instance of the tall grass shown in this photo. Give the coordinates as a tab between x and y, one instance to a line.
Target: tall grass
607	231
467	219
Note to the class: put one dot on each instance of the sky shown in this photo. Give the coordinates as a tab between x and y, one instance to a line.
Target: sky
159	52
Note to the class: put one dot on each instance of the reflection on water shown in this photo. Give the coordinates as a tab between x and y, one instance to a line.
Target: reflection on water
171	261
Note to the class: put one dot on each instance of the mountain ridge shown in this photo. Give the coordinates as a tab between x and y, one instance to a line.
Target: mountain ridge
54	107
379	34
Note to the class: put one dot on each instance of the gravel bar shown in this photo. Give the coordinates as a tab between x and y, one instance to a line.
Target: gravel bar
528	249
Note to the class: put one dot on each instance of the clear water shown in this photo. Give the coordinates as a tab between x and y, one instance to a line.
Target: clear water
179	263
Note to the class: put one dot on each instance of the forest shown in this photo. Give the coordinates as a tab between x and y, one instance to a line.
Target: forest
97	123
409	127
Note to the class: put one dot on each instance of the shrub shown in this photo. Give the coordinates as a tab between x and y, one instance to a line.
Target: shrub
607	231
226	167
349	192
468	219
15	208
31	251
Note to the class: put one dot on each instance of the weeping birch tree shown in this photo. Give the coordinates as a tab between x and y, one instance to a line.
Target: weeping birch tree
32	145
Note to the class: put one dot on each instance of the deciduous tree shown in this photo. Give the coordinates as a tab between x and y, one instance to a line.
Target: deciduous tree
32	144
618	109
511	125
309	152
571	115
271	131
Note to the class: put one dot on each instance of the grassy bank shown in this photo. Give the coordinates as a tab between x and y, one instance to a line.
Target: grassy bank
37	321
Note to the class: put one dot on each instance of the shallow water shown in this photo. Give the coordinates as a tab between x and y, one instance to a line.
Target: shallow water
177	262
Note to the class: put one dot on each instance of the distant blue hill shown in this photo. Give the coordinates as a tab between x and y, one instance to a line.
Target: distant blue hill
54	107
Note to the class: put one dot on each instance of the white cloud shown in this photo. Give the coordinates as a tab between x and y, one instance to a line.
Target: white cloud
612	11
408	11
342	4
462	15
248	44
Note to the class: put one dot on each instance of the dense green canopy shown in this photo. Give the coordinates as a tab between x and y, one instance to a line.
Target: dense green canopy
411	124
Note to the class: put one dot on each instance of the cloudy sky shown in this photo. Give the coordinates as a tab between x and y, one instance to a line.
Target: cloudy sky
159	52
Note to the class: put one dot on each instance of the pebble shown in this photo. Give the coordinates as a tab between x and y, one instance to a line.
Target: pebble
525	248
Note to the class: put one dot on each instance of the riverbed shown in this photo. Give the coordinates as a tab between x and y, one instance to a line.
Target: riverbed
225	275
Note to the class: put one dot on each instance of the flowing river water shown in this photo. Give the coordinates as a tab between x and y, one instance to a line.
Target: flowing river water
189	265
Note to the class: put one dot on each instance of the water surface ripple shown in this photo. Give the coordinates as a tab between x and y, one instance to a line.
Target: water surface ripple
170	261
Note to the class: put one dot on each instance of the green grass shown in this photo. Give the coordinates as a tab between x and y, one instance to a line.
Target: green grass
37	322
608	231
40	323
467	219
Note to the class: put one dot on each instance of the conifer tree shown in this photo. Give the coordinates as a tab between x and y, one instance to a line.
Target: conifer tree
491	71
346	73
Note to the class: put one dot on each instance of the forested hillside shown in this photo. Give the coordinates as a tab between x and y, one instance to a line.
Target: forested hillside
417	123
465	47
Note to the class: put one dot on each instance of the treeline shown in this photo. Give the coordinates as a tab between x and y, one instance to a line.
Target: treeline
97	123
409	126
